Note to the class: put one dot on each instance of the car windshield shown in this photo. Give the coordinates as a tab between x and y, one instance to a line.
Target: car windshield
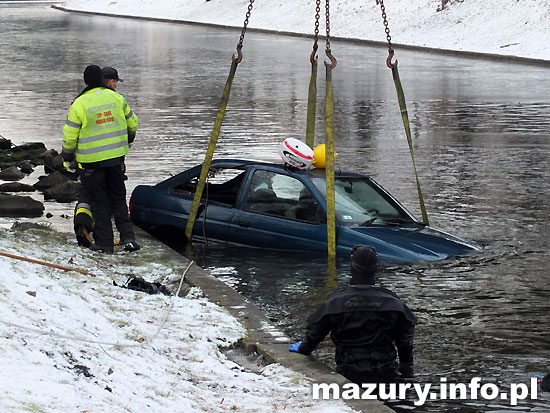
359	201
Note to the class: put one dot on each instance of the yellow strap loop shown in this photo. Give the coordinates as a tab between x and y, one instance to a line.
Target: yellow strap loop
210	151
311	105
329	159
405	116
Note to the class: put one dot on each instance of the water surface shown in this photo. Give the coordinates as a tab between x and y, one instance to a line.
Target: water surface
480	131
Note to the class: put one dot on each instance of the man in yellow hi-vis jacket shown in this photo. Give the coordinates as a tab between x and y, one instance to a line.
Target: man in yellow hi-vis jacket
99	127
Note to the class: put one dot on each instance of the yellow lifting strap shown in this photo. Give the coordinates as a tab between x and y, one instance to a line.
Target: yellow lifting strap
312	97
215	132
210	151
405	116
329	167
311	106
403	107
329	146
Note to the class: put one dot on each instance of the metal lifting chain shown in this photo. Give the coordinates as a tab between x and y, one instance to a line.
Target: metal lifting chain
241	39
316	35
327	50
388	37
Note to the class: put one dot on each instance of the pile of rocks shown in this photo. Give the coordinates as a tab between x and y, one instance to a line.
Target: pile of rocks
18	162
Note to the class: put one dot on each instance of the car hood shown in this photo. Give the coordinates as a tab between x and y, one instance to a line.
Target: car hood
417	243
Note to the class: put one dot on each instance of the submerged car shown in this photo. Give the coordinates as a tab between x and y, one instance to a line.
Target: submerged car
272	206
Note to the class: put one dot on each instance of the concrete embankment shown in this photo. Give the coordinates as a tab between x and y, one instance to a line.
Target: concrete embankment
397	46
263	337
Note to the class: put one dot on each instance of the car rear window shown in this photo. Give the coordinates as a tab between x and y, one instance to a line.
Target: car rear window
222	186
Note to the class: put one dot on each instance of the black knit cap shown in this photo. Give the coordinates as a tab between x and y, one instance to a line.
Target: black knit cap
363	264
93	76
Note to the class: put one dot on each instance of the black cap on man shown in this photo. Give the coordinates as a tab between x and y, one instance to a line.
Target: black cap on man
111	73
363	264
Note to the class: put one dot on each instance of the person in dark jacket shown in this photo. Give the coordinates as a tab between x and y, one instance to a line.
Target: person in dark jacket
370	326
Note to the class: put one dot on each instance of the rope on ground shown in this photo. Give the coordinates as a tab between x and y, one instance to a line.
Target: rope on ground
46	264
108	343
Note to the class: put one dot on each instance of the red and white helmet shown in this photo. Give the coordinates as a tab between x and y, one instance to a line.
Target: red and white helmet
296	153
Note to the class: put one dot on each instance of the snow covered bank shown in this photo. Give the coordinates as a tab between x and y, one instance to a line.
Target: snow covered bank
507	27
73	342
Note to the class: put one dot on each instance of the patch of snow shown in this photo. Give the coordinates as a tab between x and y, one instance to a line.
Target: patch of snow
75	342
507	27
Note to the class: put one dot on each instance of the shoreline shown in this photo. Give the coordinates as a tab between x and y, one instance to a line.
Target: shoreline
65	329
375	43
262	337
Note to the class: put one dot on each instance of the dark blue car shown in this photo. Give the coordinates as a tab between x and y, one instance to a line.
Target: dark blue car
268	205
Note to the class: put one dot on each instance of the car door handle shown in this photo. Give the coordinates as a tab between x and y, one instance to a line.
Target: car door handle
245	224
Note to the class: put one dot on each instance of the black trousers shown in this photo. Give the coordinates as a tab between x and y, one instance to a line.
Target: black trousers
107	197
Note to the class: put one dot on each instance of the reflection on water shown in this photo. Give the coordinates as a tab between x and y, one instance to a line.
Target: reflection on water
481	145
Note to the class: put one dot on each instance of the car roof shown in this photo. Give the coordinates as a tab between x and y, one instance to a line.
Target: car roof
316	173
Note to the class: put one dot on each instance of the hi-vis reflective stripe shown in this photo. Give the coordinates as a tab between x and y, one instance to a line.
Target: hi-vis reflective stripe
130	114
102	148
83	205
103	136
73	124
84	211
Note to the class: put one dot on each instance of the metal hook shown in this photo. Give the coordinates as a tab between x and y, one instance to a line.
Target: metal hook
239	54
390	57
332	59
313	58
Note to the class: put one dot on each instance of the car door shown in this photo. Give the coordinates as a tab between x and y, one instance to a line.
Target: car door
278	211
217	202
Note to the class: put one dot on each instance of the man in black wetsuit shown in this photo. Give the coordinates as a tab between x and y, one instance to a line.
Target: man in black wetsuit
370	326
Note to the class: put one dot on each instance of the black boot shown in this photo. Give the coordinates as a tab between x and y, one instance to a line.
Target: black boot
100	248
131	246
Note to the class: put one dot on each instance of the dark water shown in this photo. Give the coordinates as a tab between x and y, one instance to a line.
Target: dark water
481	140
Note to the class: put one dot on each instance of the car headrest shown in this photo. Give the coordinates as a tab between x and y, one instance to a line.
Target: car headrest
262	195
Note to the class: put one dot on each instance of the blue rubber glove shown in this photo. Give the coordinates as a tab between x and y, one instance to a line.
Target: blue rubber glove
294	348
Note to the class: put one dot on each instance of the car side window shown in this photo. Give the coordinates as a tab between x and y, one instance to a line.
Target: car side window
222	186
282	196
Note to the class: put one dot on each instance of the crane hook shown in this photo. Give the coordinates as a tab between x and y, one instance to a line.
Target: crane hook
390	57
313	58
332	59
239	57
